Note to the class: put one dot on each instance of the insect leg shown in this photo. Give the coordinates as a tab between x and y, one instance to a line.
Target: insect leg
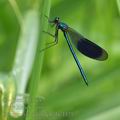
54	43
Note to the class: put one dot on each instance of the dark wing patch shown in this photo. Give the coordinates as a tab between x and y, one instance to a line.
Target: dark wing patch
87	47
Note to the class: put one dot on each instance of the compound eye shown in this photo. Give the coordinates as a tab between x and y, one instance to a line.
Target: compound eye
56	20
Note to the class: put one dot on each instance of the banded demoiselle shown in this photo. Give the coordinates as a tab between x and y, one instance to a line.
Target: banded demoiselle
83	45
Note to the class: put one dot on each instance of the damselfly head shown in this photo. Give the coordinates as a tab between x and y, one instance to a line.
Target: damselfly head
56	20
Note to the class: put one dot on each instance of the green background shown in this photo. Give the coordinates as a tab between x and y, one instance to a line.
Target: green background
66	95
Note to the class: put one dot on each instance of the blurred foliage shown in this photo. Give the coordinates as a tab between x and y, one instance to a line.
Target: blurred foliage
65	95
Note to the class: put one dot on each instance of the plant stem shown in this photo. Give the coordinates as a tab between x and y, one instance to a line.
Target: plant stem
16	9
36	73
118	3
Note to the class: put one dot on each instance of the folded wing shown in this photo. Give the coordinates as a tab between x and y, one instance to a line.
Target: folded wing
87	47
